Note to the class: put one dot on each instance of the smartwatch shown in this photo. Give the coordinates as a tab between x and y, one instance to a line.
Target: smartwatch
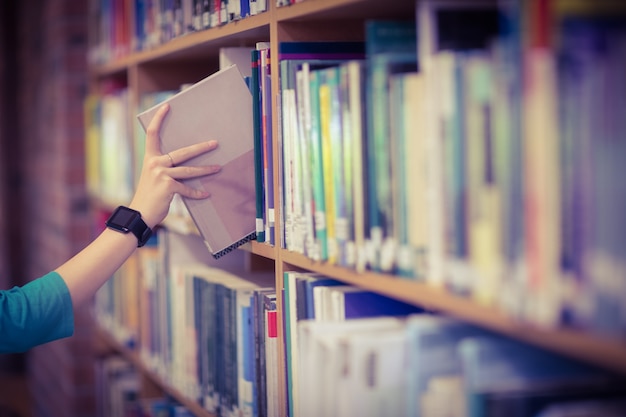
126	220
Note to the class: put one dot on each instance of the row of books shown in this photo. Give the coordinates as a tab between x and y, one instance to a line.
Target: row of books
109	154
207	327
492	171
354	352
309	296
424	365
120	28
119	392
460	174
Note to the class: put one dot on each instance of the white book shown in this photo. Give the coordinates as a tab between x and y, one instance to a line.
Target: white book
323	360
373	378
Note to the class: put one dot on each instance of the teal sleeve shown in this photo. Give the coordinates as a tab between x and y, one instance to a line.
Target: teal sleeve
38	312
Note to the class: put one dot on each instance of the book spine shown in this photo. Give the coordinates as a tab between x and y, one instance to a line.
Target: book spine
268	160
328	170
258	146
317	170
307	222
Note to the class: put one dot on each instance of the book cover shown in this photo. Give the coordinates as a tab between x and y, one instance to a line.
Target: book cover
218	107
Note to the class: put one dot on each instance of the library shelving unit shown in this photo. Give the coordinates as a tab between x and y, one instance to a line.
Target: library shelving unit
191	57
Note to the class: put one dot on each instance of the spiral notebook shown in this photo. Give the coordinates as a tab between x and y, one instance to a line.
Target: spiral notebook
218	107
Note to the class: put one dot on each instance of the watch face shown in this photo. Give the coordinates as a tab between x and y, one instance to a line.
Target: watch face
122	217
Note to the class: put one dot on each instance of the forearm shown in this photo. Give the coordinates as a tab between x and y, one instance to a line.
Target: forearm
38	312
159	181
86	272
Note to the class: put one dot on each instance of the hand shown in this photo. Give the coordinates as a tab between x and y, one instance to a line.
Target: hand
159	177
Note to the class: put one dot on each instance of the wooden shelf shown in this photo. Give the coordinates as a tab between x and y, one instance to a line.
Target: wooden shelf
328	20
605	352
134	358
261	249
189	47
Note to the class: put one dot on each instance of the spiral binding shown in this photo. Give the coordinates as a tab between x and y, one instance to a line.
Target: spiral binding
251	236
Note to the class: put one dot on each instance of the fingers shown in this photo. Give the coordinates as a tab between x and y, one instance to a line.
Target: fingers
153	143
181	155
185	172
193	193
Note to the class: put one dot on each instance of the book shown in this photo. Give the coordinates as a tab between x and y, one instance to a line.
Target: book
295	310
372	366
328	136
335	366
435	366
217	107
348	302
255	87
263	302
237	55
265	85
504	377
391	49
407	162
356	124
271	355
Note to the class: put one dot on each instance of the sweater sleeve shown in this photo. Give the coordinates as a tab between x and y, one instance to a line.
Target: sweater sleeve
38	312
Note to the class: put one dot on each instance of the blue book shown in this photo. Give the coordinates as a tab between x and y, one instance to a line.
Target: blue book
258	146
504	377
265	82
248	357
321	50
435	365
350	302
391	48
310	284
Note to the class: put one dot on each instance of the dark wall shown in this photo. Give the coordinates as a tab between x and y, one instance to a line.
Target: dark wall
43	211
10	206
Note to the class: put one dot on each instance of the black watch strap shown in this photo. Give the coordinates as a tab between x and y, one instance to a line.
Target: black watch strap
126	220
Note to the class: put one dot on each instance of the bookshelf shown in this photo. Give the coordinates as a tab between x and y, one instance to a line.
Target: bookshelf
191	57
